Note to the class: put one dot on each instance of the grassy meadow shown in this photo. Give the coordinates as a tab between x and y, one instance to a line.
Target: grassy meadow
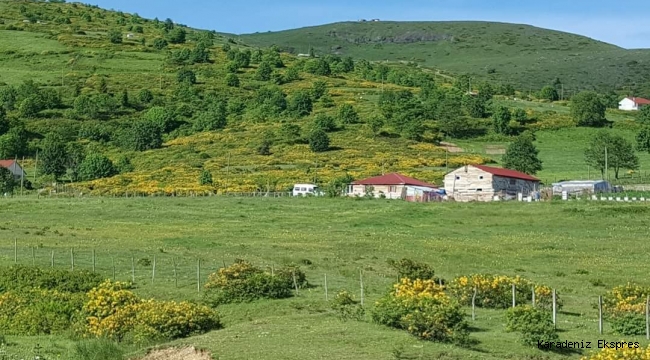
579	248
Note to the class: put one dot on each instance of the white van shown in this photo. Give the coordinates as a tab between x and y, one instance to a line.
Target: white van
306	189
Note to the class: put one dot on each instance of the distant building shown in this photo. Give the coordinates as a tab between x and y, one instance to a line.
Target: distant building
395	186
303	55
375	20
130	36
633	103
582	186
15	169
484	183
362	20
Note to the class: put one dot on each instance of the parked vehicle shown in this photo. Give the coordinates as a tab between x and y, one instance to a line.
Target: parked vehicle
306	190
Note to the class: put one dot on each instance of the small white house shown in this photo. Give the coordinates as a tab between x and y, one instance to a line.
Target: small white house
632	103
306	189
130	36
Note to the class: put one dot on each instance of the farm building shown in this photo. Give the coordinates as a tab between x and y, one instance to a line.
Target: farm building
395	186
582	186
13	166
484	183
633	103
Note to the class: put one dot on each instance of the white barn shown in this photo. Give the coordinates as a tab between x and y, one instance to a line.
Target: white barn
484	183
632	103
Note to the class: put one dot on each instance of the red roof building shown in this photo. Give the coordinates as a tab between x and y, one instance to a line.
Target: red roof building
395	186
640	101
13	166
485	183
506	173
633	103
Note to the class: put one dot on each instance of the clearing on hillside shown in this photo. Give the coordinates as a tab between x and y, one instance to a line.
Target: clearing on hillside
188	353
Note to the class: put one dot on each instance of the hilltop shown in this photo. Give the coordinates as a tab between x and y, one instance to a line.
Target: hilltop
526	56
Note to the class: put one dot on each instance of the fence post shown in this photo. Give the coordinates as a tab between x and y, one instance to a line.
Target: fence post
533	295
175	274
554	310
600	315
198	275
52	259
113	264
326	298
132	270
72	257
295	284
93	260
473	305
153	270
33	257
514	302
361	283
647	319
15	251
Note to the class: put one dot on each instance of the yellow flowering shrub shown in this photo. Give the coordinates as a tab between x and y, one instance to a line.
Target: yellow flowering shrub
496	291
114	312
422	308
621	352
625	307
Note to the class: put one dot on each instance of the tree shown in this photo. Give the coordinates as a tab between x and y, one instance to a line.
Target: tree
142	135
199	54
644	115
375	123
85	105
501	120
205	178
232	80
292	74
521	155
145	96
123	165
30	107
53	155
347	114
264	71
213	119
300	104
96	166
318	89
337	186
13	143
588	110
186	76
319	141
264	148
475	106
177	36
620	153
124	98
76	154
4	122
549	93
520	116
243	58
115	36
324	122
160	44
289	133
7	181
162	117
643	139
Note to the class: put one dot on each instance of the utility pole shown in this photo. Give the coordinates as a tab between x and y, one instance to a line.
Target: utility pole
228	172
606	172
22	177
562	96
36	166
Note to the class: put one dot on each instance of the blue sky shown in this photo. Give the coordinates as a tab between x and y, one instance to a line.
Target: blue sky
622	22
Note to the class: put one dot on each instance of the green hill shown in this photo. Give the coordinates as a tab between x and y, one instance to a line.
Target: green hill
527	56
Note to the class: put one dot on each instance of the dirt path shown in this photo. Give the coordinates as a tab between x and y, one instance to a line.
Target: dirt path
188	353
452	148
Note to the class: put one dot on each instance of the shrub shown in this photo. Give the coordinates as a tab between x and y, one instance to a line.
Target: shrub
346	307
495	292
319	141
96	166
625	307
205	178
97	349
423	309
324	122
621	351
533	323
114	312
347	114
242	282
142	135
20	278
407	268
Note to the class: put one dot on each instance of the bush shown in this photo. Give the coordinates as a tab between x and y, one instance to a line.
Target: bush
407	268
495	292
114	312
143	135
347	114
96	166
97	349
324	122
19	278
205	178
423	309
319	141
346	307
621	351
534	324
625	308
628	324
241	282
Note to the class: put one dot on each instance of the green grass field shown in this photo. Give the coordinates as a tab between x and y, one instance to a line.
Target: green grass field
568	246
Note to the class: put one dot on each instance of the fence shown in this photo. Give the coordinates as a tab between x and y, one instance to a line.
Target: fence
182	273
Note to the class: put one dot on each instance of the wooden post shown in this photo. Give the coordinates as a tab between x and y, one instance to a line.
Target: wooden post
113	264
175	274
33	257
326	298
600	315
272	270
554	310
72	257
132	270
198	275
52	259
533	295
474	305
15	251
514	292
93	260
361	283
295	284
647	319
440	282
153	270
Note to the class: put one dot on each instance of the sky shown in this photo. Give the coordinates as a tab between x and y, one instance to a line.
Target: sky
623	22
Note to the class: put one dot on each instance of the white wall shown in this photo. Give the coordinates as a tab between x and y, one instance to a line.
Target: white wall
627	105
